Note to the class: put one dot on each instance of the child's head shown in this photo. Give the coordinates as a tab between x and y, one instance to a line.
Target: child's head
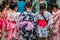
54	7
1	8
29	5
5	4
13	6
42	7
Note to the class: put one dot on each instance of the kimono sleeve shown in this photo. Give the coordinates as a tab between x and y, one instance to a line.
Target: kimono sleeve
9	16
17	17
59	19
36	17
50	21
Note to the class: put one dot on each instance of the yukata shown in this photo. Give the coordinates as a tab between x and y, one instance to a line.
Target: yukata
18	33
56	29
4	29
42	24
4	25
26	24
12	23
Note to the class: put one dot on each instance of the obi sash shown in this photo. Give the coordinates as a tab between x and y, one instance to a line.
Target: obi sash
11	27
42	23
30	26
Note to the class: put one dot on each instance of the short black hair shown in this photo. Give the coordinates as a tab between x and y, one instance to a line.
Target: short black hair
5	3
29	4
54	5
42	6
1	8
21	0
13	5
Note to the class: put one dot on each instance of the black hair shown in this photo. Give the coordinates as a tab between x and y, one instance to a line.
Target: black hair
5	3
1	8
42	6
13	5
54	5
29	4
21	0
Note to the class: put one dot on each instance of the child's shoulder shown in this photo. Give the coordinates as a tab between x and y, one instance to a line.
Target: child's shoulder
47	13
18	13
25	13
15	13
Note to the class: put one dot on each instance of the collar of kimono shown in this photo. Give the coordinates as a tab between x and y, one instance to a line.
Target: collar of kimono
29	10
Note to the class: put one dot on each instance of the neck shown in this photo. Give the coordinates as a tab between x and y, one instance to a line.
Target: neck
13	10
29	9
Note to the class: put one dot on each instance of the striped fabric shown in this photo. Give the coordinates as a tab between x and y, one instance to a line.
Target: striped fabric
56	26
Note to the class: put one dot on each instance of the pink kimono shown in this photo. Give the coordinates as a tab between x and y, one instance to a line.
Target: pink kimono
58	34
12	23
11	26
4	25
56	27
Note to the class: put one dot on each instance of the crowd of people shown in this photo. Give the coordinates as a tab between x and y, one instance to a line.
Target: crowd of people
29	21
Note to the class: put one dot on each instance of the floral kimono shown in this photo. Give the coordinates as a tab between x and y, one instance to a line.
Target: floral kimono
56	29
4	25
12	23
26	25
43	24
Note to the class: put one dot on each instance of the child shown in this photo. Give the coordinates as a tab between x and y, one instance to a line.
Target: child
5	5
12	20
56	20
27	22
44	21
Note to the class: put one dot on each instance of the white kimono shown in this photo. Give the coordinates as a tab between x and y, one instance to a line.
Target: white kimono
43	32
